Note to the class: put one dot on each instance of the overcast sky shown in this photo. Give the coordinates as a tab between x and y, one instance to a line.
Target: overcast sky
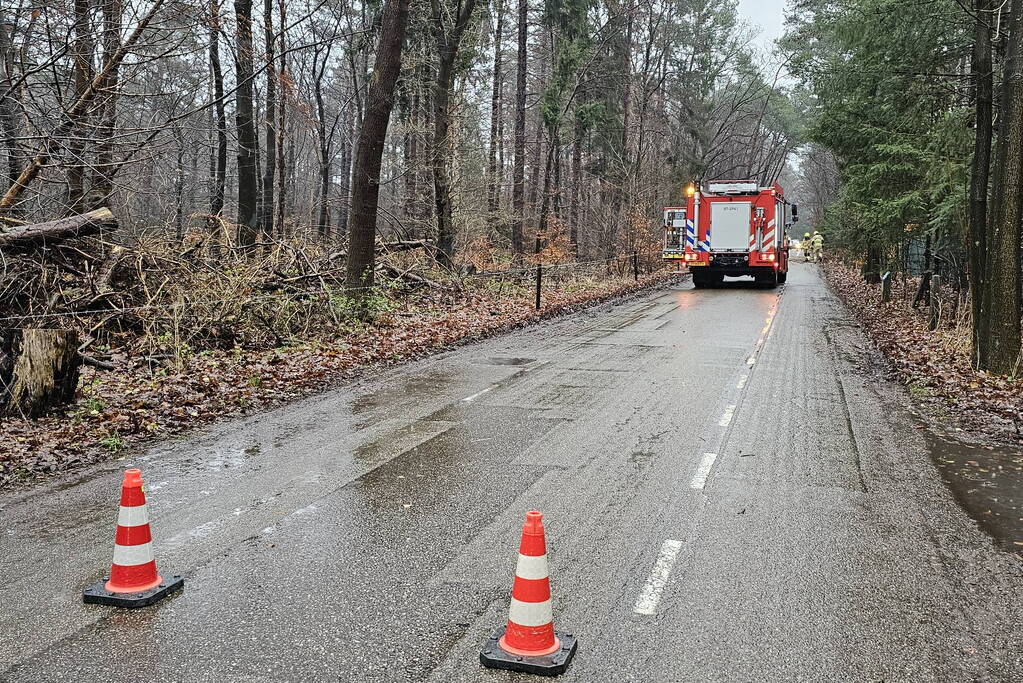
767	15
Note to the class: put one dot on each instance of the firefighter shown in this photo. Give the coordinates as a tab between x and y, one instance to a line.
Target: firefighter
817	246
805	245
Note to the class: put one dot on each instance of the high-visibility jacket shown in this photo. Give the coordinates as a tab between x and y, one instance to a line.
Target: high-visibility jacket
817	241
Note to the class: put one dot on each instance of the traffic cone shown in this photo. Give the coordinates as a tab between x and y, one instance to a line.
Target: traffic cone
528	642
133	581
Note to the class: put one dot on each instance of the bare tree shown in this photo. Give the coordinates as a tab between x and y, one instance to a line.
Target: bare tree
366	176
248	142
449	26
519	169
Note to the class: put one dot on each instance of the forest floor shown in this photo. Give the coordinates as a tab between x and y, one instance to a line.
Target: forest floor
117	410
934	366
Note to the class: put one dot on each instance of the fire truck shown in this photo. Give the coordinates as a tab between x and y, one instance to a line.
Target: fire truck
732	228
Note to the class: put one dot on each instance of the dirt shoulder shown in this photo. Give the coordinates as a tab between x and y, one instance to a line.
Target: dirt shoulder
934	366
967	419
137	402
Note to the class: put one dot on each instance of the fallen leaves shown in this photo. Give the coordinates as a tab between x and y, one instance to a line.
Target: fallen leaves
934	365
115	410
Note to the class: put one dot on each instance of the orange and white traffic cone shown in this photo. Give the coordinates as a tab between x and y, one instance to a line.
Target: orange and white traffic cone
133	580
528	642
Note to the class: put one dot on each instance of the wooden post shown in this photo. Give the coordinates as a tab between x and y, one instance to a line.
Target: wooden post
935	316
38	371
635	265
886	287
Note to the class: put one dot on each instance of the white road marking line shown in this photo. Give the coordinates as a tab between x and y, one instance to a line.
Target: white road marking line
742	381
650	598
703	471
750	361
470	399
726	419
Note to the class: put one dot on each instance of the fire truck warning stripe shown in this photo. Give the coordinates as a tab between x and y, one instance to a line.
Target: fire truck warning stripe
132	516
531	567
131	555
530	613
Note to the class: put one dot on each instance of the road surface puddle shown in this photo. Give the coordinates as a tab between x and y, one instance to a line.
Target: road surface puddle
394	397
504	360
987	483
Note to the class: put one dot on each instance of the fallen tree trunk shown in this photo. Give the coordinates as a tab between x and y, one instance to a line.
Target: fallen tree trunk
386	248
37	234
107	269
38	371
408	276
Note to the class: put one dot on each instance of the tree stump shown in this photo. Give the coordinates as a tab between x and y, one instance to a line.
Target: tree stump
38	371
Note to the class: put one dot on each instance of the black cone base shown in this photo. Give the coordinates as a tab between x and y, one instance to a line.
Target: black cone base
96	594
554	664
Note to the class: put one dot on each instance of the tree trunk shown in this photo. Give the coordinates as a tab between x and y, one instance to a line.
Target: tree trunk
103	176
556	183
545	203
83	49
493	179
872	265
983	83
411	151
38	371
179	186
266	202
324	151
519	169
9	122
282	190
441	150
1002	274
366	180
248	144
577	162
218	172
448	40
347	145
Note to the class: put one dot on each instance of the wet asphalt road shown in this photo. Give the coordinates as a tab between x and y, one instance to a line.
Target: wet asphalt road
370	533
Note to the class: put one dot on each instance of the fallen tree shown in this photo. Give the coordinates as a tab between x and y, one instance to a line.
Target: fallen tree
386	248
37	234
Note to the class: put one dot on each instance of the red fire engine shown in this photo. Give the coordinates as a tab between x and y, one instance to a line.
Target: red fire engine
733	228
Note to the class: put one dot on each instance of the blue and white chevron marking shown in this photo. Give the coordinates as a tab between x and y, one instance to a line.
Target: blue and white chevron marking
690	234
705	245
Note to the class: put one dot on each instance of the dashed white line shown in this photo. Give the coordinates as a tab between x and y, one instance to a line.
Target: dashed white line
742	382
650	597
726	419
703	471
470	399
